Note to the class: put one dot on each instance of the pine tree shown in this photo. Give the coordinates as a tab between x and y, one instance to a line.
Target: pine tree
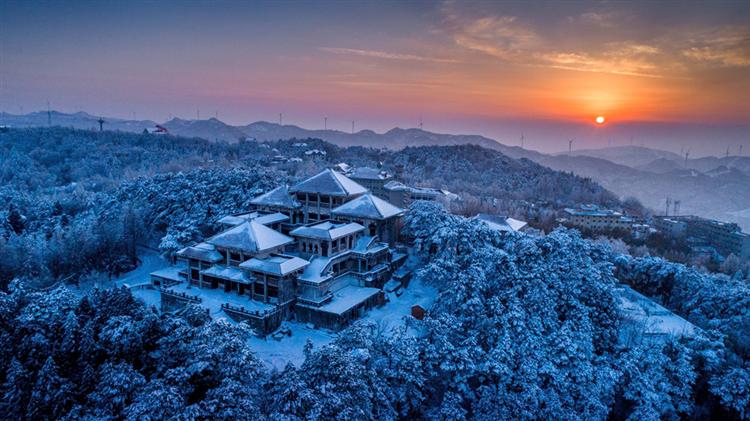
51	396
15	391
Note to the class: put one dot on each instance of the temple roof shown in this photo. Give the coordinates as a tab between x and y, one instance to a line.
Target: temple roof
368	173
278	264
330	183
203	251
327	230
251	237
263	218
368	206
228	272
277	197
501	223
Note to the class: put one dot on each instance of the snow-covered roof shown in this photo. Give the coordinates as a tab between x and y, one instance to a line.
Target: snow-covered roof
591	210
172	273
327	230
396	186
203	251
368	206
368	173
501	223
316	271
277	264
420	191
347	298
330	183
367	244
277	197
228	272
262	218
251	237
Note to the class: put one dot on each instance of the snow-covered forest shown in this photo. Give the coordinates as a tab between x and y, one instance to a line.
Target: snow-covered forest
96	195
523	327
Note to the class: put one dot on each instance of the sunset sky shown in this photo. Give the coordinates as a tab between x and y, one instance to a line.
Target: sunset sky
545	69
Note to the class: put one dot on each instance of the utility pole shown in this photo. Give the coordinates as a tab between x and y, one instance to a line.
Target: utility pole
281	119
521	140
727	154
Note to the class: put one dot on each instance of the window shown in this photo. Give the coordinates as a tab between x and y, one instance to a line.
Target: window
258	288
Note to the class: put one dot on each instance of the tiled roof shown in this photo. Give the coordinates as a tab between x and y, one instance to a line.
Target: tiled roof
277	264
263	218
368	206
368	173
251	237
279	196
204	252
501	223
329	182
327	230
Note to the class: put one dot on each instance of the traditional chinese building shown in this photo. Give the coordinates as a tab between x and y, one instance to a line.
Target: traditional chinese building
318	252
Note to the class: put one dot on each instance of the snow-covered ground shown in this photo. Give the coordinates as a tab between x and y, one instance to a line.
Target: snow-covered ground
150	262
279	353
646	319
289	349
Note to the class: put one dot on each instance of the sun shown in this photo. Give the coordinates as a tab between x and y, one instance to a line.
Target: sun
600	119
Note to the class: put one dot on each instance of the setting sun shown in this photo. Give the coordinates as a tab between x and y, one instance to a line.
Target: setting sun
600	120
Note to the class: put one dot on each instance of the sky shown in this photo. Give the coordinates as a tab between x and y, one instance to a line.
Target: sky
664	74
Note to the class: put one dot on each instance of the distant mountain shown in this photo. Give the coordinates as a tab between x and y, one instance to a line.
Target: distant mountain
212	129
215	130
661	166
632	156
710	163
586	166
395	139
712	187
722	193
79	120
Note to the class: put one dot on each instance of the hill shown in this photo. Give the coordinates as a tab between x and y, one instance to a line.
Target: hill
79	120
631	156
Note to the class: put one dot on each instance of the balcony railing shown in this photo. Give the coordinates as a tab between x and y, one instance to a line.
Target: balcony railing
181	295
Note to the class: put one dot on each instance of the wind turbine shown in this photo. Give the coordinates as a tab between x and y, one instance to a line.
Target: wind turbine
570	146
